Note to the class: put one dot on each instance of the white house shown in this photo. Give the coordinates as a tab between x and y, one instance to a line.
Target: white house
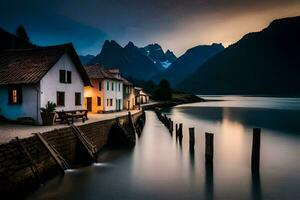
30	78
128	95
106	92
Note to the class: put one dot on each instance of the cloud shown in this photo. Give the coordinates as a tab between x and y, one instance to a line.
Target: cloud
176	24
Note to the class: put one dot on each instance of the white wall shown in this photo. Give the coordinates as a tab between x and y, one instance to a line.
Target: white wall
28	108
115	94
50	85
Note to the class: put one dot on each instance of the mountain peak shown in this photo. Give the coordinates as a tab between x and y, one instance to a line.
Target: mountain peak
269	57
170	56
110	45
188	62
128	59
217	45
130	45
154	46
168	51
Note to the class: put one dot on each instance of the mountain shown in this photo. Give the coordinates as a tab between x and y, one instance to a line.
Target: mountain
85	59
188	62
265	62
170	56
128	59
155	53
10	41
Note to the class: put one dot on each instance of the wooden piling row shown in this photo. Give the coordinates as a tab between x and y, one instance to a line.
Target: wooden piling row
209	141
165	120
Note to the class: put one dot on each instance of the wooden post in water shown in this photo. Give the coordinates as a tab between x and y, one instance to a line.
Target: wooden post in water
209	147
171	126
255	158
165	120
180	131
192	137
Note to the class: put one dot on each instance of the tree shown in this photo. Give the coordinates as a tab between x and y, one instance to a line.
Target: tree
22	34
163	91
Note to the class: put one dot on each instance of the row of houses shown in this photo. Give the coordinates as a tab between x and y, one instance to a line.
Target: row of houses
29	78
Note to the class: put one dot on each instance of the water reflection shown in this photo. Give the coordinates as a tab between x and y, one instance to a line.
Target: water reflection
256	186
209	180
162	167
192	158
281	120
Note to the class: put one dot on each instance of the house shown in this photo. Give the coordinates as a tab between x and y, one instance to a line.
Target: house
106	92
128	95
144	97
29	78
141	97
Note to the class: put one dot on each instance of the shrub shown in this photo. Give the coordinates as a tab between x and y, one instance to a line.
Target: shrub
50	107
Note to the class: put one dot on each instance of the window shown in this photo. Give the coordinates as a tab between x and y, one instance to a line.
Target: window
112	86
77	99
111	102
62	76
99	101
69	77
107	85
65	76
99	85
107	102
60	98
15	95
119	86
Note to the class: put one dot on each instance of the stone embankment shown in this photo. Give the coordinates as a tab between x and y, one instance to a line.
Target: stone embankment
27	163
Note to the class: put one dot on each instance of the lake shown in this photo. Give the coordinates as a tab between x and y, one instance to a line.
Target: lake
160	168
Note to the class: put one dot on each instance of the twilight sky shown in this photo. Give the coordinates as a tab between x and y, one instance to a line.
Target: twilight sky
175	24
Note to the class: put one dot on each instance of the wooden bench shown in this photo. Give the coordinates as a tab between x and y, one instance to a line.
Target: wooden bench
70	115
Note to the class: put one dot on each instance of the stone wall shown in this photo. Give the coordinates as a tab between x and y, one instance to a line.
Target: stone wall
16	167
17	171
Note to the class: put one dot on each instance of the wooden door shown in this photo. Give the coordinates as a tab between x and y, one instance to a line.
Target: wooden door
89	104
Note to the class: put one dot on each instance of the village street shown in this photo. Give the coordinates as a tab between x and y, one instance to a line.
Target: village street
11	131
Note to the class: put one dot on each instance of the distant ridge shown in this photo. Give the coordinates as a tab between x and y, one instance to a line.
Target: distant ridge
85	59
188	63
265	62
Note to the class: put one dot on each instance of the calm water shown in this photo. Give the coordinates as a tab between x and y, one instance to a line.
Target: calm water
159	168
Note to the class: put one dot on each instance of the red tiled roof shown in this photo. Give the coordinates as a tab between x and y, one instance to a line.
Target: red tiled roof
98	72
28	66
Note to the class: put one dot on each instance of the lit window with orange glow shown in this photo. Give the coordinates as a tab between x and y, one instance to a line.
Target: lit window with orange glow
14	96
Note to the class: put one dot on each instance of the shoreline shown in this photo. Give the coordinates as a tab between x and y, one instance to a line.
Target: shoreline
178	99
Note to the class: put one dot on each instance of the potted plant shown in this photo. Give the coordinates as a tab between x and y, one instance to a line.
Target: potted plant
48	113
